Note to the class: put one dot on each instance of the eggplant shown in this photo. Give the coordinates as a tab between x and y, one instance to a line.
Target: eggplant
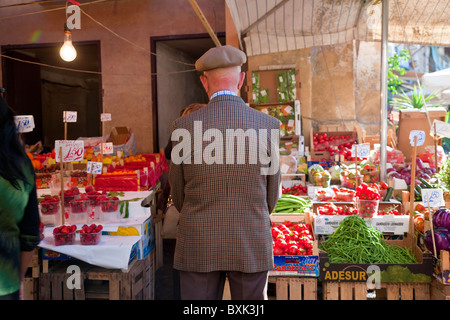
419	164
441	218
441	239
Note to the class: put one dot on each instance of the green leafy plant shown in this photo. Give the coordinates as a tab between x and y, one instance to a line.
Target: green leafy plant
394	70
416	100
443	175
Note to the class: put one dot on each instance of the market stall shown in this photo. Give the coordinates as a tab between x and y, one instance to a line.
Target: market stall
96	215
362	225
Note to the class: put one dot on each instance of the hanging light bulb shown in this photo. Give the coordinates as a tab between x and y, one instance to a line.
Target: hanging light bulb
67	51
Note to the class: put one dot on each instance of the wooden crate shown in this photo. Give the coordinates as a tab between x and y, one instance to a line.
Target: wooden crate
407	291
53	285
334	290
99	283
30	288
285	288
439	291
293	288
110	284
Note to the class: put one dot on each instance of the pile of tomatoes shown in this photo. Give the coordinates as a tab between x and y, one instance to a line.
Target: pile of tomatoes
366	192
330	209
296	190
291	238
338	144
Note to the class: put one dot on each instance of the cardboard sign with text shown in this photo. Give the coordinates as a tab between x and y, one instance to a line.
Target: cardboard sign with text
72	150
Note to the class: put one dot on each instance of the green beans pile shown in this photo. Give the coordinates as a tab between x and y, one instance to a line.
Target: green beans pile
289	204
356	242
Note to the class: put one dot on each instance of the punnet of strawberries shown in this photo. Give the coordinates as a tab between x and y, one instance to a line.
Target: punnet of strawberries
109	204
80	205
291	238
50	204
90	235
64	235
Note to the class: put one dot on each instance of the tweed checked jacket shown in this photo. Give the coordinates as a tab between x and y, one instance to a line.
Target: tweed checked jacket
224	207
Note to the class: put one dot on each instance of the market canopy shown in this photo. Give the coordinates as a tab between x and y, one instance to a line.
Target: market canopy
273	26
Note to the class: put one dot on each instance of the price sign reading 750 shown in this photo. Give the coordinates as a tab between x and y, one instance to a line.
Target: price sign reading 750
72	150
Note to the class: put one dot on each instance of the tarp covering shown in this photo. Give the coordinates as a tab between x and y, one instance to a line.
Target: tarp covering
272	26
438	81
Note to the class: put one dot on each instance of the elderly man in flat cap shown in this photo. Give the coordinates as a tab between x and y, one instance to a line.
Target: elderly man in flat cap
222	193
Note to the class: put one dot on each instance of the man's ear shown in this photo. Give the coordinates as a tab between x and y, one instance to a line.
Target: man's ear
241	80
204	81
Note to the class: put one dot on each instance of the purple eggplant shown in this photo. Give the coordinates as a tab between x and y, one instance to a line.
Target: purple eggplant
441	239
441	218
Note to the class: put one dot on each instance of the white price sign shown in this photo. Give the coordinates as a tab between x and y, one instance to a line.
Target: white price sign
108	148
432	198
24	123
361	150
69	116
419	135
105	117
72	150
94	167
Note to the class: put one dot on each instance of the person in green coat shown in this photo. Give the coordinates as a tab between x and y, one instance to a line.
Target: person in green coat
19	213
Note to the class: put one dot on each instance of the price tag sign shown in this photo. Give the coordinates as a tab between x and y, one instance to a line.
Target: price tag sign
69	116
419	134
442	129
94	167
432	198
72	150
361	150
24	123
108	148
105	117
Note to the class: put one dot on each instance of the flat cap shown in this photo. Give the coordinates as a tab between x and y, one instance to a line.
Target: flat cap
220	57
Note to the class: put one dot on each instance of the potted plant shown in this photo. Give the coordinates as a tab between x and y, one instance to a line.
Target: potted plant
415	115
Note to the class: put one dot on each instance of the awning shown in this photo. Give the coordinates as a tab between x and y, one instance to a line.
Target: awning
272	26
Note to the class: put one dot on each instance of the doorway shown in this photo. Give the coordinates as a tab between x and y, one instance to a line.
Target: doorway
39	83
175	82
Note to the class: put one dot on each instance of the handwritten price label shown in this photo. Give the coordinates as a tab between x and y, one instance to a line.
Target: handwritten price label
108	148
361	150
432	198
94	167
24	123
72	150
69	116
105	117
419	135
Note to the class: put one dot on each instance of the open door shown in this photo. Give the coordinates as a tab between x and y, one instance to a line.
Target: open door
23	93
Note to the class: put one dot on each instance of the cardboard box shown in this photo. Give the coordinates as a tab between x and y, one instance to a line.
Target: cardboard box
146	231
352	136
119	135
410	119
350	272
295	265
387	224
441	268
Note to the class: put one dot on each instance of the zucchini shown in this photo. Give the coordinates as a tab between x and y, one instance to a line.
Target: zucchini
418	193
388	194
425	184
